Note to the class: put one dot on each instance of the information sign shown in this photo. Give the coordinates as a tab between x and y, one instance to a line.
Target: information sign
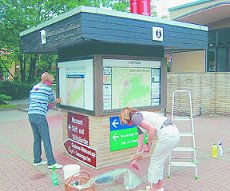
81	152
122	136
123	139
115	124
78	128
123	80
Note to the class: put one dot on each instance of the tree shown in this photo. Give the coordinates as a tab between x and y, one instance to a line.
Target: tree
19	15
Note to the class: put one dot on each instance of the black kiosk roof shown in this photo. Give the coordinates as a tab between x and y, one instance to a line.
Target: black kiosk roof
87	25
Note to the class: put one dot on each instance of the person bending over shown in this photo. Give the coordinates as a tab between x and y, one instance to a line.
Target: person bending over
155	125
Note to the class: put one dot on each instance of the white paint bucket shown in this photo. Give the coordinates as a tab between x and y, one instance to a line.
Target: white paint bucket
70	170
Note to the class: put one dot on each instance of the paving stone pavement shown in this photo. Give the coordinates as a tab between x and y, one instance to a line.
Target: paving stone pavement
18	174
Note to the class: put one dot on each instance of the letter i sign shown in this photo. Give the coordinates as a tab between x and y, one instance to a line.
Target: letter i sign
158	34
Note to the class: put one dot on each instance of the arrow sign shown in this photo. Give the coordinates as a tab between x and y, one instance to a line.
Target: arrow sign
78	128
115	137
81	152
123	139
122	136
69	127
115	124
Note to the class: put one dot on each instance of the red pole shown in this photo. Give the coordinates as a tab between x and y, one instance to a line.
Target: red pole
141	7
133	6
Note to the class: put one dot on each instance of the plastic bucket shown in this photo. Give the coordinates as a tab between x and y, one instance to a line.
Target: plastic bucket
70	170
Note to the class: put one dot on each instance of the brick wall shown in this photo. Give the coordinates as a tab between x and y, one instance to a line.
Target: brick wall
210	91
99	138
210	94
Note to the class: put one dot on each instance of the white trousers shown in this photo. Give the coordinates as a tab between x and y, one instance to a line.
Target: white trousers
168	137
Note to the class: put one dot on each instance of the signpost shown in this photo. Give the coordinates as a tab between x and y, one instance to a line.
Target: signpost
78	128
81	152
122	136
77	144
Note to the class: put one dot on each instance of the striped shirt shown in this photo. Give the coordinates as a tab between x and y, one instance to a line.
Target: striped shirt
40	96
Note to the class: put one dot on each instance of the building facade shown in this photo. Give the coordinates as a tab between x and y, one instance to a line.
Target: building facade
215	15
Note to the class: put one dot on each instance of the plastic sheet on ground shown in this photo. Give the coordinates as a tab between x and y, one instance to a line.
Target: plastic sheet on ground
131	180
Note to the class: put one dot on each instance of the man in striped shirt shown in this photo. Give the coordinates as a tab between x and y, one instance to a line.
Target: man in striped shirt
41	96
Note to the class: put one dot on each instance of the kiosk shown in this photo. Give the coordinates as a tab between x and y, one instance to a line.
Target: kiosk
108	60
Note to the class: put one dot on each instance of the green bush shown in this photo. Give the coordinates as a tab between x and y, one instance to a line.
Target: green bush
16	90
4	99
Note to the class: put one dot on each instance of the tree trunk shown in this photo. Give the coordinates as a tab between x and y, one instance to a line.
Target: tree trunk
32	67
22	67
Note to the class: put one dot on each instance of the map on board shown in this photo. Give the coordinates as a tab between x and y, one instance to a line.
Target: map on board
131	87
75	90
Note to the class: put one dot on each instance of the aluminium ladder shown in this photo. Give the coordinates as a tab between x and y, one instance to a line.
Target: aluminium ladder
182	117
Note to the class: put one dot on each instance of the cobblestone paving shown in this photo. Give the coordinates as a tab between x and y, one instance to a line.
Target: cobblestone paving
18	174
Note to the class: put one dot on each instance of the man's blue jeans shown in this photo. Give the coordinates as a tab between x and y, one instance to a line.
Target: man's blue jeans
40	129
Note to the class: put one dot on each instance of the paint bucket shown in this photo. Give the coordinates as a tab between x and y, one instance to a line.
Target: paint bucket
70	170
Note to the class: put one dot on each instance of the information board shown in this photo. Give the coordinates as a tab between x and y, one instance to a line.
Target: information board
75	83
133	83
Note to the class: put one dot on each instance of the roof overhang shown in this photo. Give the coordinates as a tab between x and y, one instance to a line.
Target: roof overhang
206	15
88	24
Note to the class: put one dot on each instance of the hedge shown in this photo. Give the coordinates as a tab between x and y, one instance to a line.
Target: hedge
16	90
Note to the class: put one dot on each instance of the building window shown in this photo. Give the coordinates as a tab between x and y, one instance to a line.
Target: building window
219	51
212	36
224	37
221	59
228	56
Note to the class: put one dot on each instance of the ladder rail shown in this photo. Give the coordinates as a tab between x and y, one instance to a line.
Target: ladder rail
191	149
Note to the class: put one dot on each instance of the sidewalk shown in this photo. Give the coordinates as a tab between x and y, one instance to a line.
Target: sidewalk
18	174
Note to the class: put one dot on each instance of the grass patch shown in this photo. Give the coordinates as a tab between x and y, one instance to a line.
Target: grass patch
7	106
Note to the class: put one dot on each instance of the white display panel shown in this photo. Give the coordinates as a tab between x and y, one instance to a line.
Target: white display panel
133	83
76	83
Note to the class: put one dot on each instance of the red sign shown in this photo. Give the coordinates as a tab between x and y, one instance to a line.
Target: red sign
78	128
141	7
81	152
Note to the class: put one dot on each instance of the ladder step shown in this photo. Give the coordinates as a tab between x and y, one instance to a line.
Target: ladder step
182	91
190	149
181	118
186	134
192	164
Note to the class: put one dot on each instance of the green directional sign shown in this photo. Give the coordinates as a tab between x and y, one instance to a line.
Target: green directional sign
122	136
123	139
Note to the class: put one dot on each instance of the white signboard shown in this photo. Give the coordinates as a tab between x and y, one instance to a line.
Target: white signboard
158	34
133	83
76	83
